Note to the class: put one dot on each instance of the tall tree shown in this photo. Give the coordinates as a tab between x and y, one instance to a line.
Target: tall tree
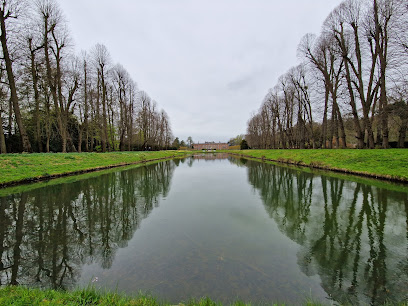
55	40
101	60
321	54
33	48
10	9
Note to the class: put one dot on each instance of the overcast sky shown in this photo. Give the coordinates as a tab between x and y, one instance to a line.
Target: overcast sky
208	63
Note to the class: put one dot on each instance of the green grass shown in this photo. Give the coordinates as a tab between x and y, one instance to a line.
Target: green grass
18	295
15	168
26	296
19	188
387	164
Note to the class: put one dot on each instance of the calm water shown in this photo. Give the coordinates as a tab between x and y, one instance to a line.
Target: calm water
216	226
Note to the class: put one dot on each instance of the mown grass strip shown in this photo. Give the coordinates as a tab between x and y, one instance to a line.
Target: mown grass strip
385	164
19	188
20	168
18	295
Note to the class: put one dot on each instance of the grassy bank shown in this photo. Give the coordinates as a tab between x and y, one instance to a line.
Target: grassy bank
18	168
25	296
385	164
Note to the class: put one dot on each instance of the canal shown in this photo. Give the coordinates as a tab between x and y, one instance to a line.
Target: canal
211	225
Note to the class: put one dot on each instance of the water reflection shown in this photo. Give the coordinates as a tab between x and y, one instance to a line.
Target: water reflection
47	234
209	156
353	235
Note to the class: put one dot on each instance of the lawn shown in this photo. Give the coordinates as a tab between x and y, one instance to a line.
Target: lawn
15	168
25	296
387	164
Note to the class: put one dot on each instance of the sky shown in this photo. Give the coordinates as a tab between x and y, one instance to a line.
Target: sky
207	63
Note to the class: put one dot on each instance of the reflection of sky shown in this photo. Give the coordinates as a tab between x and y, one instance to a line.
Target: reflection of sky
207	63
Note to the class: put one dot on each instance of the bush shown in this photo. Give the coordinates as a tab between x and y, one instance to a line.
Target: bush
244	145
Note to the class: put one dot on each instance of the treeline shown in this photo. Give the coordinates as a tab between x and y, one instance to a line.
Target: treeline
351	88
52	99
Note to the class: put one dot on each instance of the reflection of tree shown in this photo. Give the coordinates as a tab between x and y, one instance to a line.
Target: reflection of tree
353	235
46	235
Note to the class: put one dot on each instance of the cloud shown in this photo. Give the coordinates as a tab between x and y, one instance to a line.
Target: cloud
208	63
245	83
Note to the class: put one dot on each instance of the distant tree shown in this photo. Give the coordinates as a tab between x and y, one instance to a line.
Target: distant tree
398	109
183	144
236	141
176	143
244	145
190	142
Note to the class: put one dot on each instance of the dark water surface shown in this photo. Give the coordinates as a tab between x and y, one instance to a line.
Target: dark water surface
211	226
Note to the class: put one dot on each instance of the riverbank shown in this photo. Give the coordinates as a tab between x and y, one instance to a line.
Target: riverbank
17	169
25	296
26	168
16	295
389	164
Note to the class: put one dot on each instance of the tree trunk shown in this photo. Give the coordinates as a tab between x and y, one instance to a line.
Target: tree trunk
122	122
381	41
402	133
356	120
12	84
53	87
80	129
36	98
91	144
100	125
9	126
86	108
384	114
105	143
332	126
274	132
3	148
341	126
324	124
111	124
47	122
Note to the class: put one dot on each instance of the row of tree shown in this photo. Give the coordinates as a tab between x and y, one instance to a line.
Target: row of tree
351	87
54	100
177	144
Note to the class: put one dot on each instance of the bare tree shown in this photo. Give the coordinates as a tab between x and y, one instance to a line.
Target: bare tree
10	9
321	54
122	83
34	44
55	42
65	100
101	59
